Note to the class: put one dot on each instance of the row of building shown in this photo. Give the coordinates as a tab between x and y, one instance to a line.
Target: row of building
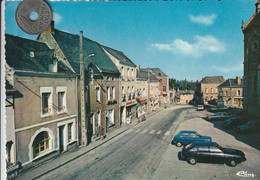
62	89
212	89
235	92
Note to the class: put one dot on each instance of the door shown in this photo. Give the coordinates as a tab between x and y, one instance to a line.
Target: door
203	153
61	137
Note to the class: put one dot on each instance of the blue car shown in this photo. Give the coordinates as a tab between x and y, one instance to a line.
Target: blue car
187	137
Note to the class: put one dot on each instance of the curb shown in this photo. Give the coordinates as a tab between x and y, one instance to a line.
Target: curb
78	156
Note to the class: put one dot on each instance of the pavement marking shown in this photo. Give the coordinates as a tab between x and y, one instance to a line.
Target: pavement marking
152	131
144	131
159	132
167	133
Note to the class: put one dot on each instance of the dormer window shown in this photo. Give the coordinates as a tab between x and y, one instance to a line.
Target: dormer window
31	54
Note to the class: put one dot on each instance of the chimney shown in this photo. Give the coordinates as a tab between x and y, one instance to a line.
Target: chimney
257	5
138	67
238	80
50	28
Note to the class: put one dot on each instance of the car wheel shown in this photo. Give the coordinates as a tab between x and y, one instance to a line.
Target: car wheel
232	163
192	160
178	144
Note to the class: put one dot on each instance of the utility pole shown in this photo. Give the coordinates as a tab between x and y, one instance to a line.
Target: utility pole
82	109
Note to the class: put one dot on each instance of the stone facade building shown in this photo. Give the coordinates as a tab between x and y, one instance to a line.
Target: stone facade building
147	91
43	95
231	92
101	79
127	84
251	31
185	97
164	97
208	89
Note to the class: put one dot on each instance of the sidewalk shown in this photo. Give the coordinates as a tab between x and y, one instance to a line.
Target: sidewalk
66	157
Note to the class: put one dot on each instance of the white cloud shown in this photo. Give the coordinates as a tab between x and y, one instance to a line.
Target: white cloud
57	18
201	46
206	20
226	69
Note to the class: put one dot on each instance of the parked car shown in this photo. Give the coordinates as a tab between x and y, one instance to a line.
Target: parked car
250	126
211	152
233	122
187	137
200	108
218	109
219	116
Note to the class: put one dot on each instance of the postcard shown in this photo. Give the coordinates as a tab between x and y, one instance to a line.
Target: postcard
130	89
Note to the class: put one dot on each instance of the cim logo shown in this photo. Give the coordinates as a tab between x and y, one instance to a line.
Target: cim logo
245	174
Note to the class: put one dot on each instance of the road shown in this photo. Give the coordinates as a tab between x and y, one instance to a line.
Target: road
145	152
135	154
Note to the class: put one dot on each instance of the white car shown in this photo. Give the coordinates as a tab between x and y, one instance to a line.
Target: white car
200	108
219	116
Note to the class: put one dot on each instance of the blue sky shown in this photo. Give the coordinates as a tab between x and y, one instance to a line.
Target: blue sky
186	39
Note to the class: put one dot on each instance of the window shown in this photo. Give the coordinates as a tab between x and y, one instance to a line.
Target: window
46	101
238	92
216	90
108	93
226	93
212	90
97	94
98	118
61	104
110	117
61	91
206	90
70	132
9	152
203	148
133	73
128	93
164	88
41	143
113	93
214	149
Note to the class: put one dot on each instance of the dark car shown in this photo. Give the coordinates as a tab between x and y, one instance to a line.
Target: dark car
250	126
233	122
211	152
187	137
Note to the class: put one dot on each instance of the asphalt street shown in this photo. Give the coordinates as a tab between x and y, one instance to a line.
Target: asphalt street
135	154
144	151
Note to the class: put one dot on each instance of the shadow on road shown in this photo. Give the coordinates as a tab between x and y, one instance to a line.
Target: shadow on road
251	139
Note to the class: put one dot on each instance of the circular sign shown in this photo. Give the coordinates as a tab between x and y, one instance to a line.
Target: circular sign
33	16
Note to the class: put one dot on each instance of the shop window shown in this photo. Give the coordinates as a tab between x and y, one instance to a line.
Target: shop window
110	117
41	143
